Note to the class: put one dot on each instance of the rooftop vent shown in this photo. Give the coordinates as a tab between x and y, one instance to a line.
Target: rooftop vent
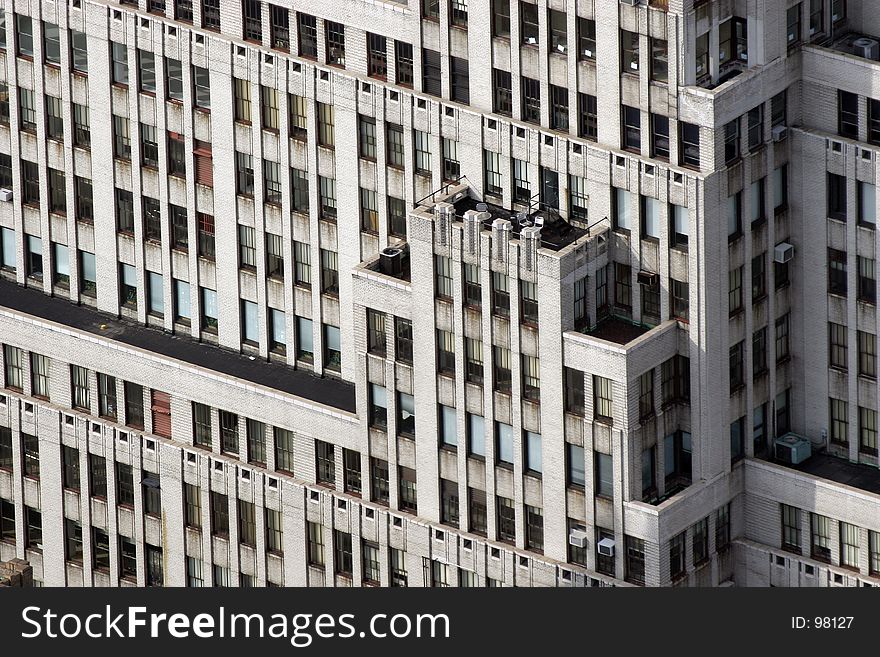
867	48
391	261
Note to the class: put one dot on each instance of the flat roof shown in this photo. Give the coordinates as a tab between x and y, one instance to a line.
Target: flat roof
556	233
858	475
618	330
278	376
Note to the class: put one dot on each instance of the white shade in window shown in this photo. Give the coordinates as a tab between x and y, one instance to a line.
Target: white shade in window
157	297
477	435
181	298
533	452
505	442
279	330
681	219
209	303
88	266
129	275
333	338
652	217
378	395
867	203
7	242
623	220
35	245
304	334
62	260
249	319
449	424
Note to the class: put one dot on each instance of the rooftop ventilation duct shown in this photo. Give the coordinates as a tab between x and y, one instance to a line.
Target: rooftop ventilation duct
531	240
444	214
501	229
473	221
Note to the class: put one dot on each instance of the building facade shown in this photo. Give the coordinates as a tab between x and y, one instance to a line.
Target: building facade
466	293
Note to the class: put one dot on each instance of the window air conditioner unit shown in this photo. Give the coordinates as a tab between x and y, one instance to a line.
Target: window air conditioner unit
631	3
780	132
783	252
792	449
5	194
578	538
648	278
606	547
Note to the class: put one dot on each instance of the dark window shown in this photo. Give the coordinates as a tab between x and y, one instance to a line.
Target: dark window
430	9
506	519
229	433
431	72
253	28
558	107
867	280
848	114
837	274
836	194
874	121
660	136
756	127
501	18
407	494
588	118
449	502
502	97
377	56
677	566
689	145
325	462
211	14
659	60
635	560
531	100
629	51
379	480
351	461
151	494
460	84
820	537
632	131
219	514
586	32
731	142
308	35
73	541
124	485
403	340
280	24
500	294
134	405
528	23
403	54
342	552
335	43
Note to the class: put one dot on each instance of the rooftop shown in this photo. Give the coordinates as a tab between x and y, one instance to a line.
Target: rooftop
392	261
330	392
556	231
865	46
823	465
618	330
